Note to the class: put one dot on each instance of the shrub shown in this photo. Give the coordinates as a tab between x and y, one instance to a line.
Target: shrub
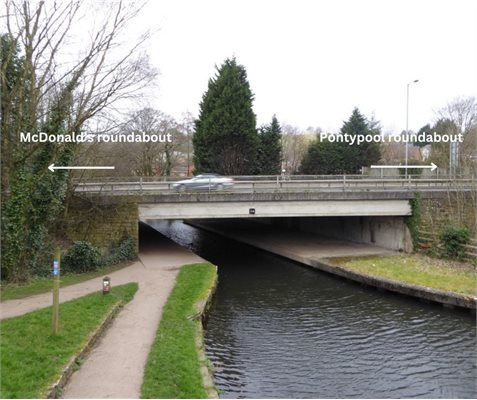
127	249
453	239
122	251
81	257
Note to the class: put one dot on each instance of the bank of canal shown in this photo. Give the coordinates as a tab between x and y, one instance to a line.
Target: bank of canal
277	329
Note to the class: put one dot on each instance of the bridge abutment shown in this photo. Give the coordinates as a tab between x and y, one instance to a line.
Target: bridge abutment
102	225
390	232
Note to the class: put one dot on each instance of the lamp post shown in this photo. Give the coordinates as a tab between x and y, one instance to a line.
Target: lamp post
407	125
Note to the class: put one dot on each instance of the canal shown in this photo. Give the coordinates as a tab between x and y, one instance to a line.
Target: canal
278	329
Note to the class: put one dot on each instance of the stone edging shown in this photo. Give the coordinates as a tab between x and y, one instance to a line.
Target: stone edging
205	367
55	390
422	292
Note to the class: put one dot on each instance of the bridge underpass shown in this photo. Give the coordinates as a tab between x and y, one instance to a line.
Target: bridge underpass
374	220
281	236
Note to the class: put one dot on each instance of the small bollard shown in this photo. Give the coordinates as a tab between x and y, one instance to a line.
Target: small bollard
106	285
56	291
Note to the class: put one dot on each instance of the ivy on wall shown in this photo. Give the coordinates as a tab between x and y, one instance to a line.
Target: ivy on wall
414	220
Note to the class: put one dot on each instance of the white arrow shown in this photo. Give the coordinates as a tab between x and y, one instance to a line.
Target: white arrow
52	167
432	167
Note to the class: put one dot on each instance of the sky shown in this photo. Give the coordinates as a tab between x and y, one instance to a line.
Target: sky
312	62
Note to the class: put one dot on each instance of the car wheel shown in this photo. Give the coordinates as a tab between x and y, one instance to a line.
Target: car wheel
220	187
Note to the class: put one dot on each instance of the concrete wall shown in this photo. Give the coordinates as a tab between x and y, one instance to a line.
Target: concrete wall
282	208
388	232
102	225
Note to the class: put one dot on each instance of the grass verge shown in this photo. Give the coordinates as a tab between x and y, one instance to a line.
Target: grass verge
417	269
173	367
43	285
32	359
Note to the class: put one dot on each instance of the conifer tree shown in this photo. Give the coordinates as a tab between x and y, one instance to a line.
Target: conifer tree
365	153
225	139
270	149
341	157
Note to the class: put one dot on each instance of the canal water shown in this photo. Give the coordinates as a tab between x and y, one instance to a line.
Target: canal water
278	329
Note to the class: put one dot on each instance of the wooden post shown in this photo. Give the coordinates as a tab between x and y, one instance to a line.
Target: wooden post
56	291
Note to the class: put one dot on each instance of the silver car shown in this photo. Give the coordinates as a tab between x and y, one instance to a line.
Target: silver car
204	182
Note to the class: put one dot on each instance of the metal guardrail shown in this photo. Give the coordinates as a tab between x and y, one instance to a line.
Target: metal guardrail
281	184
239	178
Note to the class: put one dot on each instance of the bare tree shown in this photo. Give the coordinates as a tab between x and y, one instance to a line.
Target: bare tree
459	116
51	83
186	126
294	147
468	151
145	159
149	158
98	75
462	111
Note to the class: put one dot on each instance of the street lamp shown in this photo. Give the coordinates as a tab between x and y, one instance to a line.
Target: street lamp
407	125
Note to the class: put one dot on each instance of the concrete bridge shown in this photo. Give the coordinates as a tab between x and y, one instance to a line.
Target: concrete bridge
265	197
370	210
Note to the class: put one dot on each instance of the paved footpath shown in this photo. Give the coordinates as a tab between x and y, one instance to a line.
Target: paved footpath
115	367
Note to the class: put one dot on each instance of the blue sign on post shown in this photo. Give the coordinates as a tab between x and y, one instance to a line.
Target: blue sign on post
55	271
